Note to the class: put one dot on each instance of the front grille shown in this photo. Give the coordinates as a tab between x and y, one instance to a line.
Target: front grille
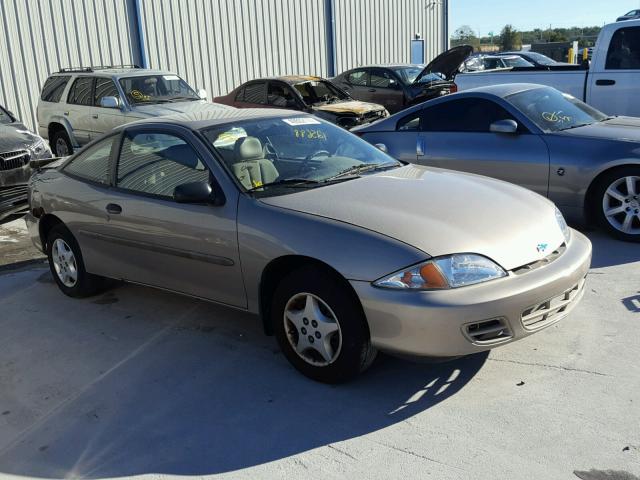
488	331
13	160
549	311
552	257
12	196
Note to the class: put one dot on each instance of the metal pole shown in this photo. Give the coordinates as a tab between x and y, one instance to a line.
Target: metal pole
141	38
330	33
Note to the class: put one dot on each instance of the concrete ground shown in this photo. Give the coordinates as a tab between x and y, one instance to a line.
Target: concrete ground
142	382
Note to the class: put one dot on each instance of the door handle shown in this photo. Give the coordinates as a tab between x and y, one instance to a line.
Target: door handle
605	82
372	89
419	147
65	113
95	115
113	208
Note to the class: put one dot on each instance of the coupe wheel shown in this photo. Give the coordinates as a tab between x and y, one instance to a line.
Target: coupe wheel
320	326
618	197
67	266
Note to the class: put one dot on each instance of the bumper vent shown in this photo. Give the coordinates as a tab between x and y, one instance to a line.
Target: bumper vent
13	160
488	331
552	257
547	312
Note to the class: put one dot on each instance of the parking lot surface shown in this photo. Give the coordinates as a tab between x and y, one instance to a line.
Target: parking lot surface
137	381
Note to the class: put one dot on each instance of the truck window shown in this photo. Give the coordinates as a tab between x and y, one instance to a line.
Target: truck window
624	50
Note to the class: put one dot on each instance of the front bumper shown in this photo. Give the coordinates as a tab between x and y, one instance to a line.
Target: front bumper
449	323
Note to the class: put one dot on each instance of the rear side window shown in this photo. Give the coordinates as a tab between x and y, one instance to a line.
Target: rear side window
93	163
105	88
465	115
410	123
81	92
156	163
53	88
358	77
255	93
624	50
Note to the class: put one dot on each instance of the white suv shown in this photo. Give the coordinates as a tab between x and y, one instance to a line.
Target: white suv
78	105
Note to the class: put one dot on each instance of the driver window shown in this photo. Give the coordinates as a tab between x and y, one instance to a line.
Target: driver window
464	115
156	163
279	95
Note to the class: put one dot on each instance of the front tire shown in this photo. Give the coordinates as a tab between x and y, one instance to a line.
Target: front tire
61	144
320	326
67	266
616	203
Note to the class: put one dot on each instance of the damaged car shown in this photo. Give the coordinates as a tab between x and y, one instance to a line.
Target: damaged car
314	95
402	85
18	147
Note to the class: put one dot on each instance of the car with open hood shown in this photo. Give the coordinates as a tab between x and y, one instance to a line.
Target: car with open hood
18	148
341	249
401	85
315	95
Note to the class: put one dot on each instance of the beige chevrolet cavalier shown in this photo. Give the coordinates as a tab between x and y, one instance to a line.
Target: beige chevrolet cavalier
340	249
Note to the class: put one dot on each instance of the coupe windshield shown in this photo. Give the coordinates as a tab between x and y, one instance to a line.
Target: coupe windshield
275	156
319	91
150	89
554	111
516	62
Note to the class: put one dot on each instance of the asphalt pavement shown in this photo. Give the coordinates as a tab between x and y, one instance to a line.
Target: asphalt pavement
142	382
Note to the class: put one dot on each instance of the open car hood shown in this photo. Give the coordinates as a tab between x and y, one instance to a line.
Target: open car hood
446	63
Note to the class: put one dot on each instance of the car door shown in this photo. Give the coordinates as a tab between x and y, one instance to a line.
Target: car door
79	109
385	89
455	134
150	238
614	84
104	119
357	84
252	95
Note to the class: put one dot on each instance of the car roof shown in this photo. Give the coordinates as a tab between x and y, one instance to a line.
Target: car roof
210	114
506	89
114	72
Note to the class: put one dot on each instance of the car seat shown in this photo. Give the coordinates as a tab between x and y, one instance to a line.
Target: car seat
250	166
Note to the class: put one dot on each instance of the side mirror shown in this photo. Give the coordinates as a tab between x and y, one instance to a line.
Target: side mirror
110	102
504	126
381	146
193	192
202	94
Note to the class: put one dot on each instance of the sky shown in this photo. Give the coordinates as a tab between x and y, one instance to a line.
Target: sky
485	16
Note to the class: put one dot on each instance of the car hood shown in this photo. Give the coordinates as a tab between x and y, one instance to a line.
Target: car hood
616	128
193	107
446	63
440	212
349	106
15	136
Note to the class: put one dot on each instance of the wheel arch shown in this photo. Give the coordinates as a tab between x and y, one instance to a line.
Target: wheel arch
589	205
60	124
46	223
279	268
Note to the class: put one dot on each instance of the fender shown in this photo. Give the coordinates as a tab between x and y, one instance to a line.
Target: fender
67	126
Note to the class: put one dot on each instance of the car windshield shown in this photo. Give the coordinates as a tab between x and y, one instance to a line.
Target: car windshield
316	92
516	61
149	89
5	117
276	156
408	75
541	59
554	111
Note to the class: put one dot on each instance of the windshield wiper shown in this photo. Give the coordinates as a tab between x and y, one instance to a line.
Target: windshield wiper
358	169
576	126
181	99
289	182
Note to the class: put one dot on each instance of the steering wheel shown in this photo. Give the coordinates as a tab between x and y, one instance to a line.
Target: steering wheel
309	158
270	152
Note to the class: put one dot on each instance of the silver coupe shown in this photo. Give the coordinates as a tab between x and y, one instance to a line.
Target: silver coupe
339	248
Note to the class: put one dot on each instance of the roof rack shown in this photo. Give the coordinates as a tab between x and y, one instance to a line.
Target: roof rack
94	68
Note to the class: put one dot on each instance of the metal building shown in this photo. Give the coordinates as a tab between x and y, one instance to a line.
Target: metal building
213	44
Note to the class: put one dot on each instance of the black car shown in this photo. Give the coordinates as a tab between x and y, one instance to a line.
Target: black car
18	147
402	85
633	14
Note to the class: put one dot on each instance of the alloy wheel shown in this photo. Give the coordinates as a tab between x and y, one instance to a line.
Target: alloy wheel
64	262
621	205
312	329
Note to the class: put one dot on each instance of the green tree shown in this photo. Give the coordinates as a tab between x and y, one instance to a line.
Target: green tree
465	35
510	38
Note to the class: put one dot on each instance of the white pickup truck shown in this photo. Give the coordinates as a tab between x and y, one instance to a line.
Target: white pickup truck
610	84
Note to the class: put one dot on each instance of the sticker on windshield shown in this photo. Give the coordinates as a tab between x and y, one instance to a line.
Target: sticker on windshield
294	122
171	77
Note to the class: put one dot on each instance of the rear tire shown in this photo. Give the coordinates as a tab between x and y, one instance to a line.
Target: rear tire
616	203
61	144
67	266
320	326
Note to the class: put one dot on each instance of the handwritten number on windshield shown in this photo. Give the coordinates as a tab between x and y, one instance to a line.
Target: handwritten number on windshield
556	117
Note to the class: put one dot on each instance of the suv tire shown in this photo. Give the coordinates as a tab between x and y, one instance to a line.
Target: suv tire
61	144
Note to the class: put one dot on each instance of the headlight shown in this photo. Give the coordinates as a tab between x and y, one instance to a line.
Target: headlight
39	150
451	271
562	223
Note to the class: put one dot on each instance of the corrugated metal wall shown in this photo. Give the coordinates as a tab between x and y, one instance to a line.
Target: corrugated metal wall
39	37
380	31
218	44
213	44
